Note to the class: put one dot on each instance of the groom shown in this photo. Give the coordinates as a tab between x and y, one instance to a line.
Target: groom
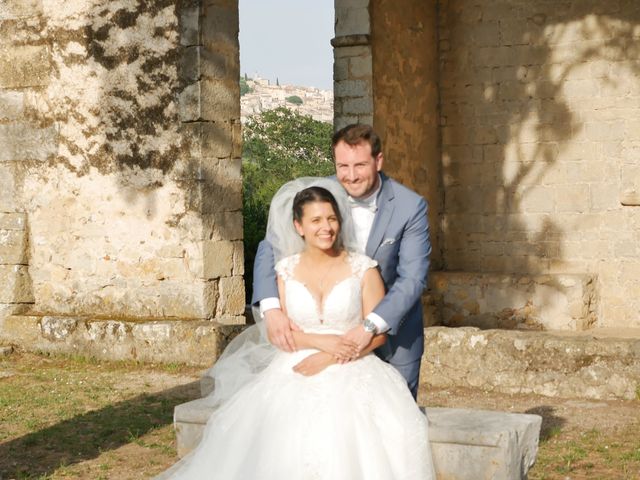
392	228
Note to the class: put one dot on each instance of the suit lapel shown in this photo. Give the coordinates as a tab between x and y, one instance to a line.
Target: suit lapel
382	218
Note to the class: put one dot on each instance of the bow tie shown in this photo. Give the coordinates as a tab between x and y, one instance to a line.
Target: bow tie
371	206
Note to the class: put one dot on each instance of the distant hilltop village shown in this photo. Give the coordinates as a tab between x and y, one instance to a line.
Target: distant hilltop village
261	95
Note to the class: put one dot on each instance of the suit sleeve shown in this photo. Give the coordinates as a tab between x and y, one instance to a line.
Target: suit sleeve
412	269
264	274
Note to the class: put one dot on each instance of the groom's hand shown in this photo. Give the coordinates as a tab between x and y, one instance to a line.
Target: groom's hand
279	329
360	337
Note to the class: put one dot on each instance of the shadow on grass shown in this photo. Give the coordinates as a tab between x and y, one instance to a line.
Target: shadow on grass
551	423
86	436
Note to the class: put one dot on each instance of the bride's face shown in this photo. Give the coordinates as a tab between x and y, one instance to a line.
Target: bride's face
319	225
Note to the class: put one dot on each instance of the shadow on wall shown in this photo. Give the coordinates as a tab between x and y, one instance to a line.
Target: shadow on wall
515	136
125	97
89	435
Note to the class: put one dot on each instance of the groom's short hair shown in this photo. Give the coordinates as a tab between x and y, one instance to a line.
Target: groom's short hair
355	134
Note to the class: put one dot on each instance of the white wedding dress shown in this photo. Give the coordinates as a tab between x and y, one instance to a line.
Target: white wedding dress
356	421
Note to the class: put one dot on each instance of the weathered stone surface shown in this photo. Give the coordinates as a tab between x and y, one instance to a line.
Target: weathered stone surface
482	445
485	300
23	142
15	286
9	198
13	246
12	221
24	66
191	342
11	105
466	444
531	362
190	25
232	296
538	147
218	259
11	9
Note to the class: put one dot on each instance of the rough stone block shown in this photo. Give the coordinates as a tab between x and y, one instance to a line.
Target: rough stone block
555	365
218	259
13	247
192	342
482	445
220	100
238	258
190	25
15	284
361	67
219	25
22	141
466	444
352	21
352	88
232	296
190	63
12	9
189	106
11	105
340	69
358	106
24	66
8	190
12	221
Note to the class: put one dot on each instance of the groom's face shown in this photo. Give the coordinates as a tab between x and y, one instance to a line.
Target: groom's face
356	169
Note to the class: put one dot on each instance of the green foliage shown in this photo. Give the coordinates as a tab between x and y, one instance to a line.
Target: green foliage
279	145
244	87
295	99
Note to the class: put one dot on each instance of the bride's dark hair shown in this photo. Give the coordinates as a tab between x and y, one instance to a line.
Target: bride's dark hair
314	194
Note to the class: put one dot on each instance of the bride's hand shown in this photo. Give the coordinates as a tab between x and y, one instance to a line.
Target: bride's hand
338	346
314	363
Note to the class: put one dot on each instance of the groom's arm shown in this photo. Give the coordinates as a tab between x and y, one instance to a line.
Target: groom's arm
265	293
264	275
412	269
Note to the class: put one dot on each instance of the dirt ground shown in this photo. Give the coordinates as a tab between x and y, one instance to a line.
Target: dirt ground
68	418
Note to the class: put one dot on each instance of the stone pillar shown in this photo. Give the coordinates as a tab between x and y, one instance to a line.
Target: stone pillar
405	98
352	67
210	107
120	130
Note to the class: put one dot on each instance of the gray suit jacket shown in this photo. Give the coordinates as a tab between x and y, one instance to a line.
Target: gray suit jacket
399	242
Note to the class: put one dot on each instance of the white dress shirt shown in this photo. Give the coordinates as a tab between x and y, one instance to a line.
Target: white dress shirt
363	212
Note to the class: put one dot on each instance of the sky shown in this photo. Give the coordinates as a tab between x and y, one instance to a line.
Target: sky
288	40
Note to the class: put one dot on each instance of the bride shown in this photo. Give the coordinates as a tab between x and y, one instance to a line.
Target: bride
314	413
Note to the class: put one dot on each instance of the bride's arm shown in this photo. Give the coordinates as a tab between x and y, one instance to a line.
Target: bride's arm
335	345
372	293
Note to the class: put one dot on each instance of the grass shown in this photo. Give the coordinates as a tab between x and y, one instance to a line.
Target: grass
73	417
77	418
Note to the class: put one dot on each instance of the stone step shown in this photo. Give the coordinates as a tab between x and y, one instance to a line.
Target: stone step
466	444
583	365
192	341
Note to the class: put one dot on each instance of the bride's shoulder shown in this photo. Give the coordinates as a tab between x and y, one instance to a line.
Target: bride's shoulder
360	262
285	266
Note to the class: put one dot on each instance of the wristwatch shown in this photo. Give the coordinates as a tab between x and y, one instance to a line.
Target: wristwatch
369	326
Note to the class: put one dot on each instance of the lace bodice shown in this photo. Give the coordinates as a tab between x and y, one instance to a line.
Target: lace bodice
342	306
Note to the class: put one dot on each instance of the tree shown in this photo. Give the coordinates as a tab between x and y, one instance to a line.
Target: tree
244	86
296	100
279	145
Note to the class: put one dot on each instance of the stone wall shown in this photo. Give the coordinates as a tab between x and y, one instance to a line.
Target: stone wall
121	150
540	114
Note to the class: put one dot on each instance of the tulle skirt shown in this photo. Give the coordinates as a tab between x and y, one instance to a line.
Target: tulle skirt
349	422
